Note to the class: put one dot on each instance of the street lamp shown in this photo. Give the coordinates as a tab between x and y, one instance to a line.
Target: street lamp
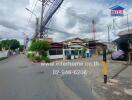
31	12
37	23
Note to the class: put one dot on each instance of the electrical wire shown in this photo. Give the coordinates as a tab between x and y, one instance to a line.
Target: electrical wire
33	4
51	10
33	8
99	12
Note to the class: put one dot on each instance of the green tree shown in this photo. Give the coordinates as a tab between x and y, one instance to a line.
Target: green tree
5	44
14	44
21	48
0	46
10	44
40	46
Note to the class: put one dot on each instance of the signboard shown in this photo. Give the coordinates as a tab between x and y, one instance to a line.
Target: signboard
117	11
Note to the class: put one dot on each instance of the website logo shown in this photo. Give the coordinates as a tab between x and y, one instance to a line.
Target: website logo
117	11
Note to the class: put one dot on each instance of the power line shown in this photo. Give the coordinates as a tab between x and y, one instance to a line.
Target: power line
35	4
56	5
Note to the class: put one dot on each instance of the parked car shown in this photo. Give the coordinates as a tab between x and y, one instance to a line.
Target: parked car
119	55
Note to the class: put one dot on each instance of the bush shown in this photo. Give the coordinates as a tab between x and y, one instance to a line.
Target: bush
37	58
40	46
30	55
46	59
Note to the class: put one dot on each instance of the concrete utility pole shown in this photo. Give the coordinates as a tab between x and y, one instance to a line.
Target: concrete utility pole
26	40
37	27
109	35
114	26
37	23
94	29
41	22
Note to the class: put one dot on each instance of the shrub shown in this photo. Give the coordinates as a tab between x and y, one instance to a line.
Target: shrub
30	55
40	46
46	59
37	58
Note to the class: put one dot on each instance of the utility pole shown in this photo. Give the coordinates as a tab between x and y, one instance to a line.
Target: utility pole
114	26
94	30
37	23
41	24
109	35
37	27
26	40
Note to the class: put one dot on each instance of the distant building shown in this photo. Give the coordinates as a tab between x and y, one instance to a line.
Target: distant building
56	51
50	40
111	46
73	48
125	37
73	41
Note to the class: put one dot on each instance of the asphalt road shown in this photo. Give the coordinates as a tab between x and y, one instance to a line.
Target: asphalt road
22	80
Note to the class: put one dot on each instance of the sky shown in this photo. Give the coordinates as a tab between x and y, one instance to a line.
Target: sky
74	17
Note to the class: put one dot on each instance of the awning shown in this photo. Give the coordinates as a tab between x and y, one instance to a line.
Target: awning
125	38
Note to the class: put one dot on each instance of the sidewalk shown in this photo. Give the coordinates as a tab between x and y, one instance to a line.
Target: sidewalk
119	86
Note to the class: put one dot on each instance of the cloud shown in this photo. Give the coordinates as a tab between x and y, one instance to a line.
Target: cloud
74	18
14	19
77	19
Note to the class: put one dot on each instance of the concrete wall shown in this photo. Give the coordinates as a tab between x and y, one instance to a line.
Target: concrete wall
52	57
3	54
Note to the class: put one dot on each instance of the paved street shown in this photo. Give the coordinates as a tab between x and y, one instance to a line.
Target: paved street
22	80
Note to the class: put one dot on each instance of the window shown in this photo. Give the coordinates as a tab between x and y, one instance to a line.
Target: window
56	52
